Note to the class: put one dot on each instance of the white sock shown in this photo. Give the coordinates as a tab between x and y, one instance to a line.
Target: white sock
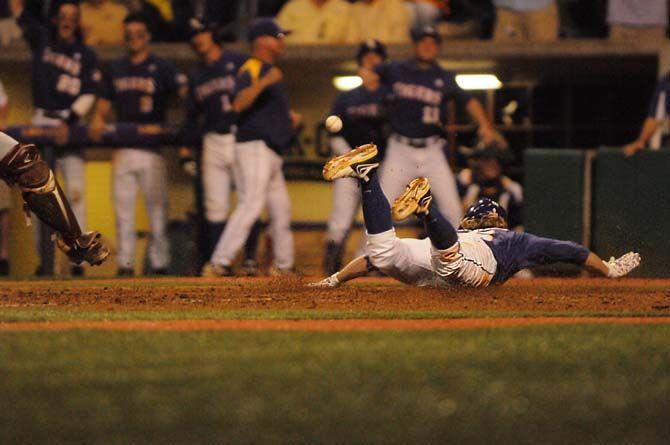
6	144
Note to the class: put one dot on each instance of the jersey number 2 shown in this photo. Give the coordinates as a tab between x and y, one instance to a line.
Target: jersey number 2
68	85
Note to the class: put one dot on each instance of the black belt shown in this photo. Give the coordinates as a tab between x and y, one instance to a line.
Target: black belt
416	142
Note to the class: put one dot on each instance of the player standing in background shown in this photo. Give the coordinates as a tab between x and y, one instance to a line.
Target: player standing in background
420	91
657	114
481	254
363	118
211	92
264	129
65	76
138	87
5	194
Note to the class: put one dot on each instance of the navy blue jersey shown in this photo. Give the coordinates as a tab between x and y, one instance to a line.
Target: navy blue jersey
659	105
515	251
268	119
211	92
363	116
61	72
140	92
418	101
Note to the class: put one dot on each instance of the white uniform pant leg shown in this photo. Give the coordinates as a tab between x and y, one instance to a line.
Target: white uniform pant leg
279	209
346	198
153	181
218	155
124	190
397	169
407	260
442	183
72	166
255	166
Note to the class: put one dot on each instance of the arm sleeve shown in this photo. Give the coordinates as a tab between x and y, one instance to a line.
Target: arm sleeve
658	105
90	76
452	90
172	79
188	133
106	86
383	70
34	31
537	251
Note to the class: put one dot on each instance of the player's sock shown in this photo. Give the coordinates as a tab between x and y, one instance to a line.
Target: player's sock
251	245
214	231
441	233
332	259
376	208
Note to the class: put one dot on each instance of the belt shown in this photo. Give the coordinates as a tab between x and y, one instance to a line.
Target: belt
416	142
53	114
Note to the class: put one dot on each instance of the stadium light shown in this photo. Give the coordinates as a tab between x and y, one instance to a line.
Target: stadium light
478	81
346	83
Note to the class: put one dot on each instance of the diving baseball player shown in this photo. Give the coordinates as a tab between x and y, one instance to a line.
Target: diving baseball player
362	114
64	80
138	86
481	253
211	92
420	91
22	165
264	130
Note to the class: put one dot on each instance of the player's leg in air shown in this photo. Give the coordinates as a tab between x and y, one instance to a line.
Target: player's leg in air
22	164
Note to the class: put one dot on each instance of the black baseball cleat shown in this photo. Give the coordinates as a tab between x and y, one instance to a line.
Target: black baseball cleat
358	163
415	201
125	272
211	270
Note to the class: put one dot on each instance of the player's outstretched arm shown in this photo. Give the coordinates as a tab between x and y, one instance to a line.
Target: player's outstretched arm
359	267
648	129
614	268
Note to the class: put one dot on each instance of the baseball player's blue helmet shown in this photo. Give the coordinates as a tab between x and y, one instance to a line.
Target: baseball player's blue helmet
425	31
484	214
371	46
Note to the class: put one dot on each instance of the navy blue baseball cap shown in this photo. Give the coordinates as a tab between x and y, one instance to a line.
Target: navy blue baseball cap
425	31
265	26
197	26
371	46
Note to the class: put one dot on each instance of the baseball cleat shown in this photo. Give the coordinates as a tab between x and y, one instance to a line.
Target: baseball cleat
250	268
211	270
358	163
415	201
623	265
327	283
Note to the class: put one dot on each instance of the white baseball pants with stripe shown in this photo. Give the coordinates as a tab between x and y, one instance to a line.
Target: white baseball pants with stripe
261	183
135	169
218	175
404	163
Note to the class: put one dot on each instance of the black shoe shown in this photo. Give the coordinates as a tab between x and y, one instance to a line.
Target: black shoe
125	272
161	271
4	268
77	271
42	272
250	268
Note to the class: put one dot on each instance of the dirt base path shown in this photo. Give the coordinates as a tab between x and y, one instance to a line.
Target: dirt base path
322	325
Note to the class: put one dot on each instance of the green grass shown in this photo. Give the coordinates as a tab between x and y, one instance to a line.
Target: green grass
569	384
10	315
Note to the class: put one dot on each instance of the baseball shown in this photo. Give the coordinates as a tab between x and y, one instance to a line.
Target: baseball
333	124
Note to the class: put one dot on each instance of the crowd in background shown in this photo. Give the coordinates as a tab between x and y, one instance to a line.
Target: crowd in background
350	21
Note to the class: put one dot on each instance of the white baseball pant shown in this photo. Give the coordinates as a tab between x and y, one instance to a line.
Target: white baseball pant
346	198
218	175
403	163
262	183
133	169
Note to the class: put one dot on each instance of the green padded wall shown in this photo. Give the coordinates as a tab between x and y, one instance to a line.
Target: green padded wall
631	208
553	193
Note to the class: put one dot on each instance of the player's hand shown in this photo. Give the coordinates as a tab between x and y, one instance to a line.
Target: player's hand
296	119
188	164
16	7
61	134
273	76
490	136
632	148
95	132
368	76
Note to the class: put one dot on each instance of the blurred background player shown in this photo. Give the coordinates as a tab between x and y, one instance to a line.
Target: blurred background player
264	129
657	115
5	194
363	118
138	86
65	76
420	91
211	91
484	179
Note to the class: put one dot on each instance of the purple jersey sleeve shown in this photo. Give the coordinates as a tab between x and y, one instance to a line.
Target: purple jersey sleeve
452	90
90	76
34	31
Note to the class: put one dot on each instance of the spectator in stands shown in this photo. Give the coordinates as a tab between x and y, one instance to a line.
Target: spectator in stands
220	13
383	20
102	22
5	196
425	12
651	131
526	20
635	20
162	30
484	179
316	21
